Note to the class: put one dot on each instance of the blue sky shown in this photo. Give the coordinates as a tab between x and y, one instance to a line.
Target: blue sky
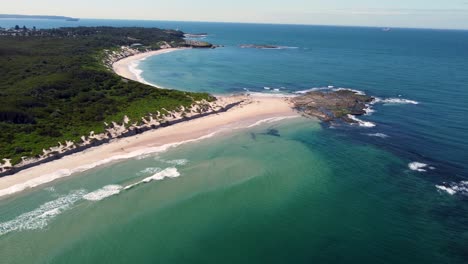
394	13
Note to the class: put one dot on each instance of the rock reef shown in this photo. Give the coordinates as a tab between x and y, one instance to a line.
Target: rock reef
333	105
254	46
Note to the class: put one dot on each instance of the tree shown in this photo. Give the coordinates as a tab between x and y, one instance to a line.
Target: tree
34	28
17	27
25	28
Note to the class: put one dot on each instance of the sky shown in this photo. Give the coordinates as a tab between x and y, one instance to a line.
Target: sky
452	14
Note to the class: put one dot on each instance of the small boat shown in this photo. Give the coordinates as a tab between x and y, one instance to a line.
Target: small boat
386	29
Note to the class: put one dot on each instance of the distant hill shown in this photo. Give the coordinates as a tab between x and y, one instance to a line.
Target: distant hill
36	17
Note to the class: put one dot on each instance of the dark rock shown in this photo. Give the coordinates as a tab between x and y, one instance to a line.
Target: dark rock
332	105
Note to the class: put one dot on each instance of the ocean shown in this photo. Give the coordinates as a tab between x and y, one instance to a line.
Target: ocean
393	190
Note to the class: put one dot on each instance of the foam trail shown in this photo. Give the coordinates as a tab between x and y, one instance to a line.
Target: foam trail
133	67
67	172
417	166
312	90
454	188
369	110
361	122
395	101
151	170
379	135
166	173
330	88
179	162
103	193
349	89
41	216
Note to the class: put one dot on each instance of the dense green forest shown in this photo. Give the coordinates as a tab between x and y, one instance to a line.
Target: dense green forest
54	87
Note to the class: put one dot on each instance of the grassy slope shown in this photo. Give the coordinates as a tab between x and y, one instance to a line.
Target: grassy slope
55	88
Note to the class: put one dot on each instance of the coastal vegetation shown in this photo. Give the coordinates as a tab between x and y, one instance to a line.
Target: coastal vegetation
54	86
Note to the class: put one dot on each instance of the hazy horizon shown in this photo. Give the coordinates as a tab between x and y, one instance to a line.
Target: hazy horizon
407	14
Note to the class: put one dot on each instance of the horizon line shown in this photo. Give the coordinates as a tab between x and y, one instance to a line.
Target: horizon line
239	22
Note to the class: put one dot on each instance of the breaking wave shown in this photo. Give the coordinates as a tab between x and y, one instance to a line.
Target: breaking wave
379	135
454	188
330	88
360	122
179	162
103	193
161	175
395	101
67	172
41	216
151	170
417	166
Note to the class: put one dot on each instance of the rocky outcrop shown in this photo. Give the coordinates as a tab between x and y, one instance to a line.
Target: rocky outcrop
253	46
197	44
333	105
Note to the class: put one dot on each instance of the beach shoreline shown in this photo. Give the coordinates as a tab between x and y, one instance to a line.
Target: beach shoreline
252	111
126	67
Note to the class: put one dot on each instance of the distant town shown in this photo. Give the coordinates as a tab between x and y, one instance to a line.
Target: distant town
22	31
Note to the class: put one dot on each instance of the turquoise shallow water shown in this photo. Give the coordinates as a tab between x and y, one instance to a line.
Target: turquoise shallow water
295	191
283	192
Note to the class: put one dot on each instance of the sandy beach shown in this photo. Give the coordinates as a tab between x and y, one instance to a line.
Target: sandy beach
256	109
124	67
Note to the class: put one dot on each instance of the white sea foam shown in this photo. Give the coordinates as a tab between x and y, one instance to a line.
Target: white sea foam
50	189
362	122
133	67
349	89
417	166
179	162
143	157
454	188
67	172
379	135
166	173
395	101
103	193
41	216
271	120
267	88
161	175
369	110
312	90
330	88
151	170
